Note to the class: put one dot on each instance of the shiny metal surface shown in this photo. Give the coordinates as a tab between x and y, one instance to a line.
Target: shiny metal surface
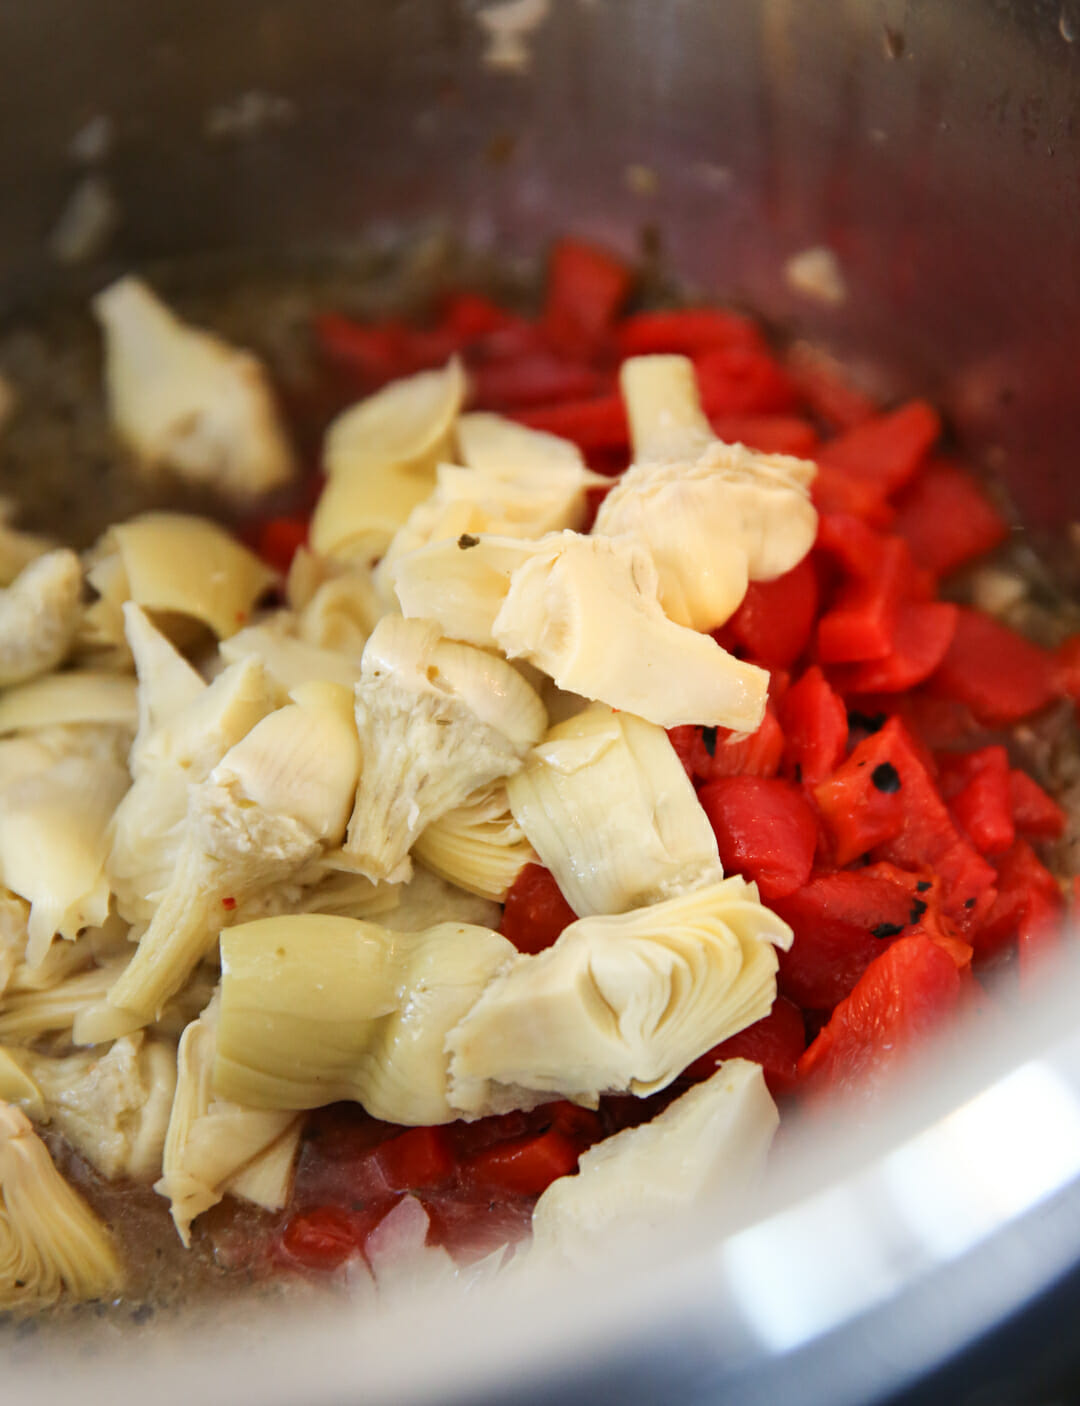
934	145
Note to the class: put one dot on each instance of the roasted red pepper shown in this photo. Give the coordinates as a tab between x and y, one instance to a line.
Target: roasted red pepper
775	1043
765	830
535	912
1000	675
815	726
947	519
775	621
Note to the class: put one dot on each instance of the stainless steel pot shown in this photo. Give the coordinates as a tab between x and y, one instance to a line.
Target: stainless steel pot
934	146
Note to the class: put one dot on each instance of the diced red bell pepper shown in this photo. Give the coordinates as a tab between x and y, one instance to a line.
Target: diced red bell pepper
841	922
765	830
586	287
535	912
1000	675
861	623
825	388
598	424
371	352
835	491
1021	875
947	518
815	728
325	1237
776	1042
471	316
539	379
1036	815
1068	662
904	996
982	805
686	332
922	633
1039	935
745	753
525	1166
280	539
776	618
416	1160
768	434
883	799
741	381
887	450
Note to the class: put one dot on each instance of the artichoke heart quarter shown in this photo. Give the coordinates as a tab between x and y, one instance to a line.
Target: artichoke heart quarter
50	1240
317	1008
437	720
607	805
620	1003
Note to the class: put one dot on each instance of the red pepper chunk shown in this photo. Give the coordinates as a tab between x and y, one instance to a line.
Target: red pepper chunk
327	1236
904	996
815	726
1021	878
776	1042
768	434
980	799
742	381
764	829
686	332
842	922
775	621
1000	675
861	623
525	1166
1039	934
280	539
947	519
922	634
888	450
1036	815
535	912
593	425
586	287
416	1160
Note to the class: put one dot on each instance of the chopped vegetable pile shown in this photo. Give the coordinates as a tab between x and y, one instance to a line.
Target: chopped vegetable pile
612	754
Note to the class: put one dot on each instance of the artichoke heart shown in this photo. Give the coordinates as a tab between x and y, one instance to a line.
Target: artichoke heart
53	845
460	584
585	610
517	483
39	614
608	807
437	720
713	1140
215	1148
712	516
479	845
271	804
620	1003
50	1240
315	1009
112	1105
184	400
58	700
189	566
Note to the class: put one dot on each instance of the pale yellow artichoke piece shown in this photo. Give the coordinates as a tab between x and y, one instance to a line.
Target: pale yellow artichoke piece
404	423
167	684
316	1009
663	407
39	614
436	719
358	513
620	1003
14	932
31	1014
517	483
460	584
100	638
184	400
212	1143
112	1105
61	699
711	1142
427	900
288	660
585	611
50	1240
17	1087
275	799
147	828
54	842
17	549
341	612
608	807
189	566
479	845
713	516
